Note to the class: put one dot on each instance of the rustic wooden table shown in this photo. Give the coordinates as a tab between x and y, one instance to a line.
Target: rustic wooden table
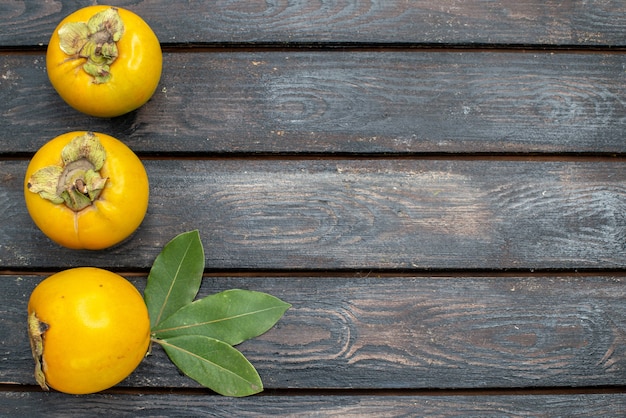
438	187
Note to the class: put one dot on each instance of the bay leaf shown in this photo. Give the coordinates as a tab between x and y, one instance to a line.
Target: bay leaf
214	364
175	276
232	316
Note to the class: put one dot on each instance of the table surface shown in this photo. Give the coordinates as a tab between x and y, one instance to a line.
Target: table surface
437	187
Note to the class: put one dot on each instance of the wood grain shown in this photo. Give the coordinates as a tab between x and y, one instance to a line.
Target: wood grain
358	214
438	188
400	333
344	102
114	405
506	22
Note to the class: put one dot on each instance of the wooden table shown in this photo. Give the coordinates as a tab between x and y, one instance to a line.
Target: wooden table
438	187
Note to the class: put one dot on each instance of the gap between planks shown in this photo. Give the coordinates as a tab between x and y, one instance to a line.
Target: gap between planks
488	156
535	391
356	46
364	274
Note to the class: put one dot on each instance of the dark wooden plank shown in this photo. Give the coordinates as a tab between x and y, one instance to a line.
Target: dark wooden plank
358	214
382	21
345	102
26	404
400	333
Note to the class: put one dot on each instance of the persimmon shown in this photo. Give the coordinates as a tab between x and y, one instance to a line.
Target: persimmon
104	61
86	190
89	329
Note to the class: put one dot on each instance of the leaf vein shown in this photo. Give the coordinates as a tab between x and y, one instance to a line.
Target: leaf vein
169	291
215	321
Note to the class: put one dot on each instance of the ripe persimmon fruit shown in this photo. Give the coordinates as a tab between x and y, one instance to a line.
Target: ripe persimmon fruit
104	61
89	329
86	190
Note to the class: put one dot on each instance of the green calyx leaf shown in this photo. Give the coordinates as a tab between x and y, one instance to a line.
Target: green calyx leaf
77	181
232	316
175	277
45	182
214	364
95	40
198	336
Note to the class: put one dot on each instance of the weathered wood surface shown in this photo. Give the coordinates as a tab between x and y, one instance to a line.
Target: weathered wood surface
358	214
508	22
354	101
438	188
25	404
410	332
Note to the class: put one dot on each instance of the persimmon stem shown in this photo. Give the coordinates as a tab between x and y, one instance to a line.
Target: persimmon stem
36	329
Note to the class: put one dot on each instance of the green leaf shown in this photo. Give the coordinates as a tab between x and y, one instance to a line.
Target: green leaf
214	364
175	277
231	316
